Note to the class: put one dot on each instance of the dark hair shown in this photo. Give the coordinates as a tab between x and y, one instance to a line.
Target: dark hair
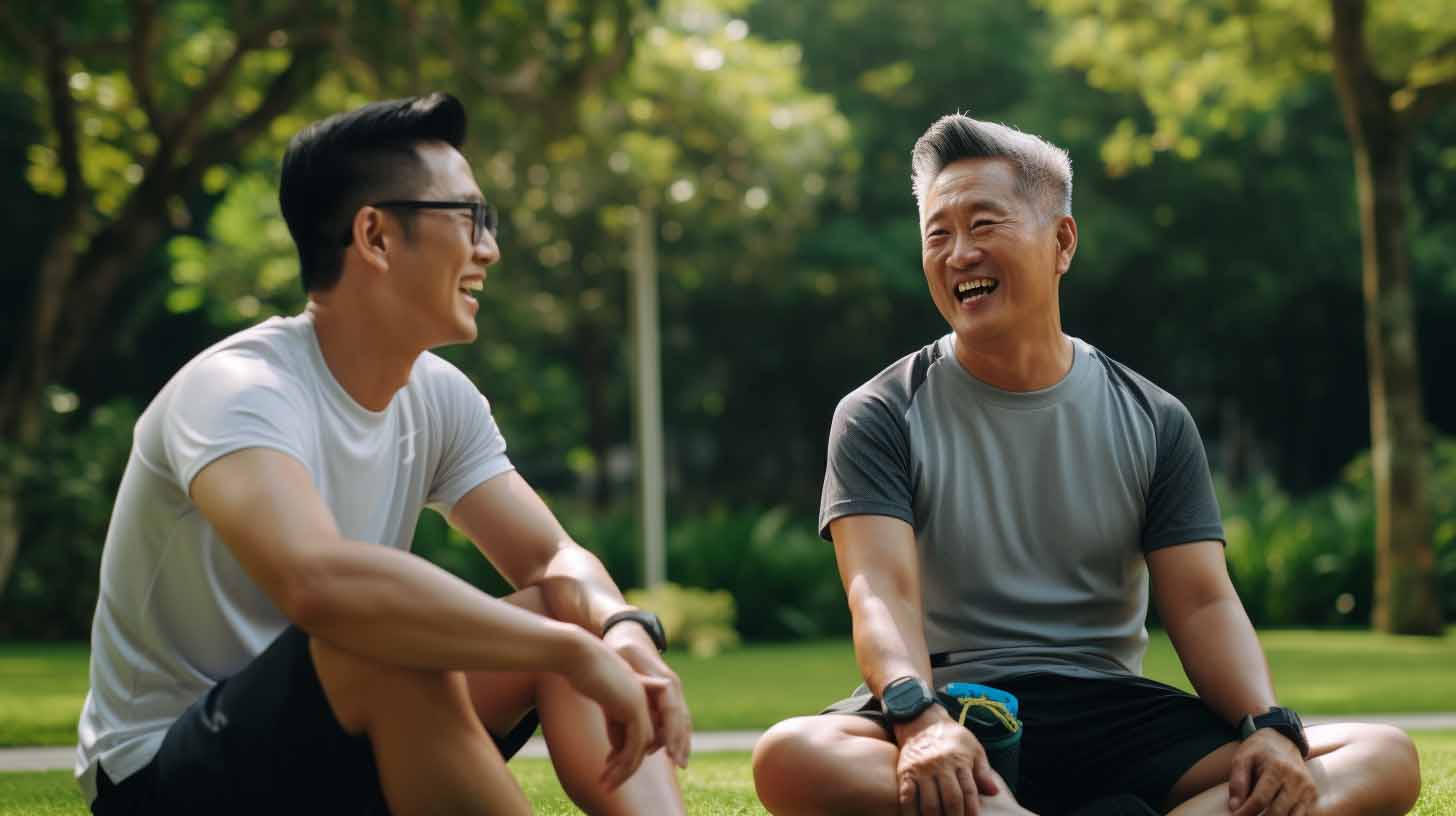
1043	170
339	164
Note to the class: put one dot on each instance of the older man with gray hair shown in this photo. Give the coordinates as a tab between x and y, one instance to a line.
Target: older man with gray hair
1002	503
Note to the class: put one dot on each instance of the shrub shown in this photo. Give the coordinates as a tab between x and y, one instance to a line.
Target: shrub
700	619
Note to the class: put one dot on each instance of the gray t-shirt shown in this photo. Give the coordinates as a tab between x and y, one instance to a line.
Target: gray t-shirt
1032	511
177	612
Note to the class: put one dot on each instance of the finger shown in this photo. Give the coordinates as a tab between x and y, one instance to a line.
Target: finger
984	777
1259	798
972	797
952	798
1239	780
929	797
616	738
674	729
907	795
1283	804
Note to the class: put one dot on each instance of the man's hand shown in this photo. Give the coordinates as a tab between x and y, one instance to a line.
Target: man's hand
670	718
943	766
600	674
1269	776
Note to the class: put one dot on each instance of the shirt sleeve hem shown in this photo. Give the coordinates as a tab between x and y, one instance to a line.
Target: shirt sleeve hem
862	508
1185	536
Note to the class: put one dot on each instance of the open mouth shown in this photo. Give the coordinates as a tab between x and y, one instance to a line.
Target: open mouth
472	286
975	289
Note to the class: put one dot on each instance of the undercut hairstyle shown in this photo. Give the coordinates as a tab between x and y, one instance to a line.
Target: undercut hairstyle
339	164
1043	170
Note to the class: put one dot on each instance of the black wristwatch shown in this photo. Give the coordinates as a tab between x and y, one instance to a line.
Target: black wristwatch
649	621
1283	720
905	698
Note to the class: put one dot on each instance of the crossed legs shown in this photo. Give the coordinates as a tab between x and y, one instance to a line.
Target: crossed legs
1359	769
430	732
837	763
844	764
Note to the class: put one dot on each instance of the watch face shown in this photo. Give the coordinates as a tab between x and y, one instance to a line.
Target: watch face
905	699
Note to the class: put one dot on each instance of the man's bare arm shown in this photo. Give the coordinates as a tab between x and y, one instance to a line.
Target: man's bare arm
880	567
521	537
518	533
372	600
1210	629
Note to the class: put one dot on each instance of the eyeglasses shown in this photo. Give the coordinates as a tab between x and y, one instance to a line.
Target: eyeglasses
483	216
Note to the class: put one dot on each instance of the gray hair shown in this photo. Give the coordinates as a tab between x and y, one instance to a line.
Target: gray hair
1043	170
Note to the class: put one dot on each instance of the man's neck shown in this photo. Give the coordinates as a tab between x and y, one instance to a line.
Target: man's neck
369	364
1018	364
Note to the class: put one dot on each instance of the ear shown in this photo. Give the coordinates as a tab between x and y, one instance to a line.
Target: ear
370	239
1066	236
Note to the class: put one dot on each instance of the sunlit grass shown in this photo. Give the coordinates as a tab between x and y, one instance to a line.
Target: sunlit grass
713	785
1318	672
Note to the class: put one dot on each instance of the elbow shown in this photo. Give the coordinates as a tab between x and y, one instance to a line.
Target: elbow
308	592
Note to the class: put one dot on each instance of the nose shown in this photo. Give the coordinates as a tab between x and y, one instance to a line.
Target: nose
964	253
486	251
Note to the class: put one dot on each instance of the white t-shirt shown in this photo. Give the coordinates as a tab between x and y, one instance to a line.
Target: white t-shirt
177	612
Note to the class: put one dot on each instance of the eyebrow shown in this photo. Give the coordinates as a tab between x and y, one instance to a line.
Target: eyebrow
974	205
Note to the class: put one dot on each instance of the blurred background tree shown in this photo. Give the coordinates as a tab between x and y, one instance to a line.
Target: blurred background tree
1208	66
772	142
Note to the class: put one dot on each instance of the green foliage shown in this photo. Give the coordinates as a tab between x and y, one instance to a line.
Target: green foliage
775	575
1211	66
700	619
1310	560
63	488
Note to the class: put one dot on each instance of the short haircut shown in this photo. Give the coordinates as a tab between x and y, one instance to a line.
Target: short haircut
339	164
1043	170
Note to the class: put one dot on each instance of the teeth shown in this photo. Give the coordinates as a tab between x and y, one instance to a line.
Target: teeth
473	285
974	285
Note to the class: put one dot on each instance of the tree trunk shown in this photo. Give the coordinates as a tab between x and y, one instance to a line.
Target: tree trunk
1406	594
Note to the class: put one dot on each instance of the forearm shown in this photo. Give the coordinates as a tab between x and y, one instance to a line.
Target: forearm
398	608
889	637
1223	658
578	589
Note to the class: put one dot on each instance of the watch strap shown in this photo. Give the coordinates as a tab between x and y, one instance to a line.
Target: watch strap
647	620
1283	720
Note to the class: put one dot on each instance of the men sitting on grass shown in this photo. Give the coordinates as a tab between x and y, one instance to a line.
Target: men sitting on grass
264	642
999	501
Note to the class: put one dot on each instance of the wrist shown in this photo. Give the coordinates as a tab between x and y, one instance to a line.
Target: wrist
905	731
639	621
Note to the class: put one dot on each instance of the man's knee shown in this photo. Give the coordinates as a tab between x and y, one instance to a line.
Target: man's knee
1403	772
786	751
358	689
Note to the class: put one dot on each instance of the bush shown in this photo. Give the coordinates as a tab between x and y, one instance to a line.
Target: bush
700	619
64	487
1311	561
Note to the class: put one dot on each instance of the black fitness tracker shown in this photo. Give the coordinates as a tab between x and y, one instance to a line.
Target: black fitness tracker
1283	720
649	621
905	698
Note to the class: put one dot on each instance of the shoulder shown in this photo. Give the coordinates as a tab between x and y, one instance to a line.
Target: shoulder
439	378
266	357
1164	410
890	392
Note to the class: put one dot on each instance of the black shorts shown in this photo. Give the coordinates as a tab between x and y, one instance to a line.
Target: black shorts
262	741
1084	739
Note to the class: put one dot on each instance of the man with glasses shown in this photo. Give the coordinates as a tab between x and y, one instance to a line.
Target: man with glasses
263	640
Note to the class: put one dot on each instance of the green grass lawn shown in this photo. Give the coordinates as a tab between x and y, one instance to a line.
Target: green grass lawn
713	785
1324	672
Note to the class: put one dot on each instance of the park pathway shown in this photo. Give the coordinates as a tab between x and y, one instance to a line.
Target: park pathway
707	742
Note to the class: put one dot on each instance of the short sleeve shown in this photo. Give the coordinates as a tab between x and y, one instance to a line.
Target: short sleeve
227	402
1182	506
474	450
868	469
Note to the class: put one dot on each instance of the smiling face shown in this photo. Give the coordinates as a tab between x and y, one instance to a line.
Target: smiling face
435	269
992	259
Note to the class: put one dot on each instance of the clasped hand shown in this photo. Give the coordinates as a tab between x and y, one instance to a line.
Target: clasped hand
943	769
1270	777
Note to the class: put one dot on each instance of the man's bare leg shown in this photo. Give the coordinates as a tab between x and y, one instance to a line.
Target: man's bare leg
433	754
840	764
1359	769
576	735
